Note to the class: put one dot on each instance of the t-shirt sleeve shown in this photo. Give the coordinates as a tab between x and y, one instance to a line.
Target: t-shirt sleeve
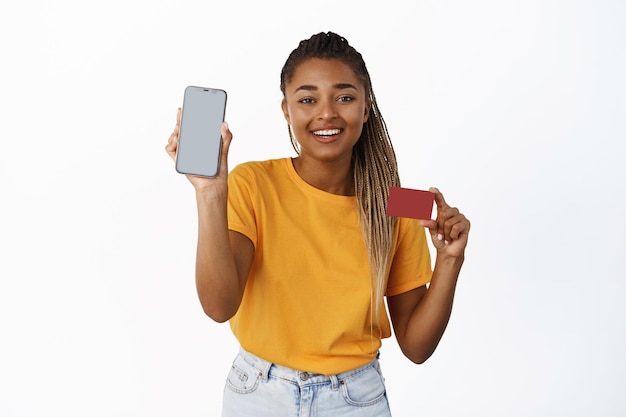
241	213
411	265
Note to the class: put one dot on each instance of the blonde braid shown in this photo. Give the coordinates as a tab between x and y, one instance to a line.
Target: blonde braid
375	171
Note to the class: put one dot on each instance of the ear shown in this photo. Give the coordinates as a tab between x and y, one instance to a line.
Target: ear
368	107
285	108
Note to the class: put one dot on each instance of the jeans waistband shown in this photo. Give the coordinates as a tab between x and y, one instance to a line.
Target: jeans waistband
301	378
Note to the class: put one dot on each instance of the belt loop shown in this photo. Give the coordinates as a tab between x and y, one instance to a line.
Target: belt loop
261	364
266	370
335	382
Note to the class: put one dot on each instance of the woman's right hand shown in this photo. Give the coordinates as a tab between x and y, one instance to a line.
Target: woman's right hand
203	183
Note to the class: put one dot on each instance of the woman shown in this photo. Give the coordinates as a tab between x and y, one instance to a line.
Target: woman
299	255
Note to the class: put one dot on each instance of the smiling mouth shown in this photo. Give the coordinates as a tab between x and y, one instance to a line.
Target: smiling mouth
327	133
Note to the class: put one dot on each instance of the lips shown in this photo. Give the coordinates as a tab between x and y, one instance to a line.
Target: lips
326	135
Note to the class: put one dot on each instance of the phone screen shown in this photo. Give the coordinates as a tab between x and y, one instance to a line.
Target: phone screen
200	139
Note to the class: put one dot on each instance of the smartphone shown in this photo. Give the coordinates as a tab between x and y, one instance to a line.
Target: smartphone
200	138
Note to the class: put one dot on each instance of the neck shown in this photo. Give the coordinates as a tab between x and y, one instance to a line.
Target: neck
334	177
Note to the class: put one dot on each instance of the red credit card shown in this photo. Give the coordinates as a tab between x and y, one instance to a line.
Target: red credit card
406	202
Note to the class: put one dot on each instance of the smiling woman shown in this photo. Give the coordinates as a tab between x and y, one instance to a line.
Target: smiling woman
326	106
298	254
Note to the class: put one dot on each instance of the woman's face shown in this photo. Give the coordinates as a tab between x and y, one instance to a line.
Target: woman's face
326	105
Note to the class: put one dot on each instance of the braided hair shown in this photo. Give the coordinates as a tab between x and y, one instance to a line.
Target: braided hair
373	158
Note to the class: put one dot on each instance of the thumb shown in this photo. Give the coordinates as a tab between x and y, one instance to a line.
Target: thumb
227	138
439	200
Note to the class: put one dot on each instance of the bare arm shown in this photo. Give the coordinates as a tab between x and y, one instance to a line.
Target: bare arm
421	316
223	257
223	260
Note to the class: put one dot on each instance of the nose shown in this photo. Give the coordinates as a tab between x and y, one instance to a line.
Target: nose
327	110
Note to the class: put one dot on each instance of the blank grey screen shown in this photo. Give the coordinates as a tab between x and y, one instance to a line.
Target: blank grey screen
200	138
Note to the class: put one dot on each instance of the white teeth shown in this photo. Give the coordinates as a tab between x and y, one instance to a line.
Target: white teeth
328	132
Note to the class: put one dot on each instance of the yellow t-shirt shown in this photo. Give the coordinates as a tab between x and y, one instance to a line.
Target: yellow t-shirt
306	304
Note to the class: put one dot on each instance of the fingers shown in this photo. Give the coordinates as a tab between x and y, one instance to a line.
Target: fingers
449	223
172	141
449	226
455	226
172	145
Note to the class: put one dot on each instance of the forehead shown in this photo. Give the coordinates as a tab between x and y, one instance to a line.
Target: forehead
323	72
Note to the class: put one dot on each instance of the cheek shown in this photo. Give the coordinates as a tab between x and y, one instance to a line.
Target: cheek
298	117
358	116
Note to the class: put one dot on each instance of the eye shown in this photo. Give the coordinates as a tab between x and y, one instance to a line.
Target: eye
345	98
306	100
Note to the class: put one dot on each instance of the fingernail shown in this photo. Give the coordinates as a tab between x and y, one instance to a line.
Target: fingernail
226	124
445	242
439	236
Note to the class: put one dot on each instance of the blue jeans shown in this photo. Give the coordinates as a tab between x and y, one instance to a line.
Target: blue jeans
257	388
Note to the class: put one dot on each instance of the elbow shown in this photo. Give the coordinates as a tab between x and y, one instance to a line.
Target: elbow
219	315
220	307
418	349
219	318
418	356
418	359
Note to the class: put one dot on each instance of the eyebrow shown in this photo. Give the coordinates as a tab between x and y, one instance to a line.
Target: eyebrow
339	86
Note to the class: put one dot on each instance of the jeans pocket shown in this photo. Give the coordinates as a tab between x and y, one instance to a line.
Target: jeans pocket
365	388
243	377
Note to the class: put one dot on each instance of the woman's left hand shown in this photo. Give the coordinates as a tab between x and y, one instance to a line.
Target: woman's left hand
449	231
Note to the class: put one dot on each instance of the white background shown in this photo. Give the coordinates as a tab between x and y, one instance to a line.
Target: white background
514	109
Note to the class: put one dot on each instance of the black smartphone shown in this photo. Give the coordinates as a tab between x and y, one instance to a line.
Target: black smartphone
200	138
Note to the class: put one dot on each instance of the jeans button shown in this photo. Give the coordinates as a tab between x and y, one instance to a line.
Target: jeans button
304	376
